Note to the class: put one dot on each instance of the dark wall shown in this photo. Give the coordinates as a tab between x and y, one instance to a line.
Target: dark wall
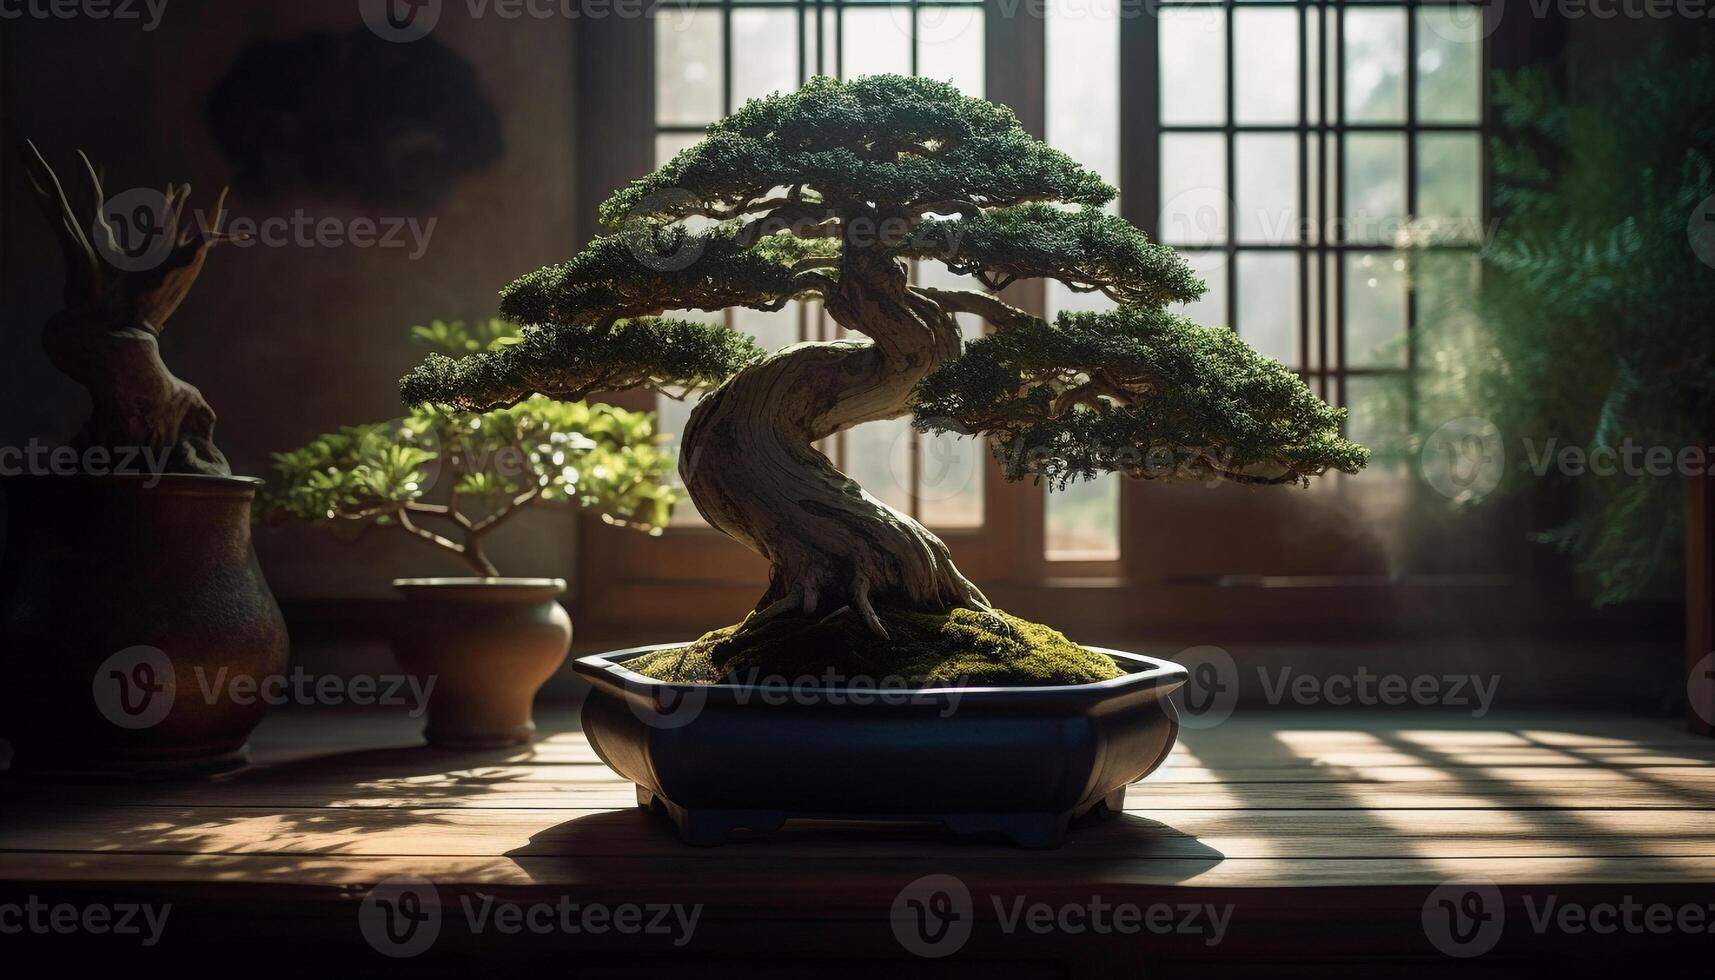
472	130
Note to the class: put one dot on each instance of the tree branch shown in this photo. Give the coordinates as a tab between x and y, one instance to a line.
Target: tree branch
991	308
802	218
470	556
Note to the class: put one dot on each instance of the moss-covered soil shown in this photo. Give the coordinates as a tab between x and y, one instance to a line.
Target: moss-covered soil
964	647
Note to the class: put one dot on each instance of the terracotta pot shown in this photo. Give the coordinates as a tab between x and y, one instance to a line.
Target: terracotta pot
488	645
1021	762
128	607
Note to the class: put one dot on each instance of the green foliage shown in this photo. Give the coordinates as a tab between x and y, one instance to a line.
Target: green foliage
1139	391
961	647
1590	321
456	338
572	362
440	472
1087	248
357	472
593	456
651	268
882	141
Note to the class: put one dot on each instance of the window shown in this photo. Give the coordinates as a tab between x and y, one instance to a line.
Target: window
708	63
1082	522
1289	170
1281	145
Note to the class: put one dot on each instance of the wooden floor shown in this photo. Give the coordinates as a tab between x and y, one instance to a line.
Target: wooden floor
1324	836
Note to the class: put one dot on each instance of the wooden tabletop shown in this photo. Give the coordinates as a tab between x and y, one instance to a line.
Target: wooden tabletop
1324	837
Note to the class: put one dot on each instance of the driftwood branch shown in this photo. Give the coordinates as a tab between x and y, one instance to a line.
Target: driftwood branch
127	270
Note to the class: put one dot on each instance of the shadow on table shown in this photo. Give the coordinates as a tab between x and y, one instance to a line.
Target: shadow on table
646	840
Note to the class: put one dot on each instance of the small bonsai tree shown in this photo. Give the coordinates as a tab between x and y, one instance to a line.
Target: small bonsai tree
121	287
488	467
825	194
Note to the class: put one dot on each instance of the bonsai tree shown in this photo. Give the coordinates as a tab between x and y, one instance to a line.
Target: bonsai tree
490	467
826	194
122	284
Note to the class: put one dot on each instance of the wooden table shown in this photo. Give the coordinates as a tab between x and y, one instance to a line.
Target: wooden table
1302	841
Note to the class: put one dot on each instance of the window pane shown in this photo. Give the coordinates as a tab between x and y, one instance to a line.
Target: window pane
688	69
771	330
1313	66
1268	304
1083	85
950	480
1265	57
1449	64
1378	418
950	469
1375	65
818	40
1449	182
1375	310
1374	177
875	41
1082	521
950	46
668	145
1083	120
1266	166
1193	64
766	64
1211	267
878	456
670	419
1193	189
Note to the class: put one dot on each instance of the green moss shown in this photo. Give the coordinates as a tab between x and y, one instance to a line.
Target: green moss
962	648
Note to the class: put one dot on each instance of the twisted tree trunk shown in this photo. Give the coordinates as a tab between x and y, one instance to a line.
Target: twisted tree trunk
750	464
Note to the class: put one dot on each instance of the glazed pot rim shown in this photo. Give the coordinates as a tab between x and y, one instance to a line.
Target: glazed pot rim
476	583
1142	673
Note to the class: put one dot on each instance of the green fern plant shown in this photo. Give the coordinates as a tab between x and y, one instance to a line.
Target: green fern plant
1587	321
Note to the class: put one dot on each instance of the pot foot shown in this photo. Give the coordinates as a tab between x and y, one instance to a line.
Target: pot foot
1108	807
1034	831
701	827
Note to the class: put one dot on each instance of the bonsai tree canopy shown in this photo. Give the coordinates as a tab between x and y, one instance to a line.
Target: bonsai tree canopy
117	304
826	194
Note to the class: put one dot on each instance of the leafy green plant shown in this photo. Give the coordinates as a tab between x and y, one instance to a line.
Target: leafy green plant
1586	319
452	478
